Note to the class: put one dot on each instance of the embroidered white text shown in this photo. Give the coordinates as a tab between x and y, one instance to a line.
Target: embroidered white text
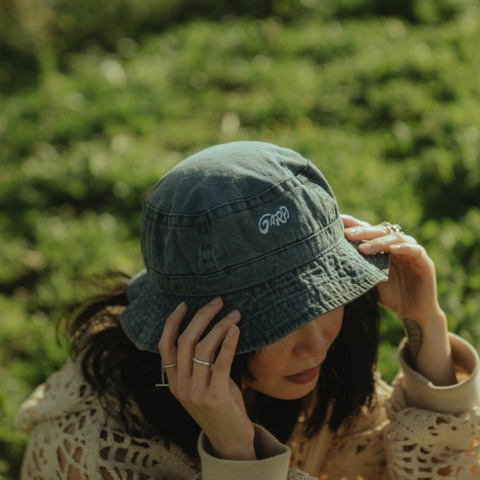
281	216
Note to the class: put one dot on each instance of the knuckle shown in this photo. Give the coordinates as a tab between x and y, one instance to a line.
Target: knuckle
222	364
165	351
207	311
163	344
202	350
184	340
215	401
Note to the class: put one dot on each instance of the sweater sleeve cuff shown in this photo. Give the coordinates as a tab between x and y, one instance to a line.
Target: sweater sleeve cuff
454	399
273	463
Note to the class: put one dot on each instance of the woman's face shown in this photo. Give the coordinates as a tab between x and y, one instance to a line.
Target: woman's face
289	368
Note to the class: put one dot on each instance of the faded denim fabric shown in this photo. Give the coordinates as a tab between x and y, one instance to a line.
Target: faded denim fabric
255	224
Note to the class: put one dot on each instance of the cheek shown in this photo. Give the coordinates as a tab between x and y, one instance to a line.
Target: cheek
333	324
272	362
268	362
335	327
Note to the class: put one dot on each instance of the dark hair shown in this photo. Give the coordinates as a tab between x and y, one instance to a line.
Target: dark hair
114	367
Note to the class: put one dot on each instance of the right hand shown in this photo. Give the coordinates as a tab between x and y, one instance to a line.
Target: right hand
210	396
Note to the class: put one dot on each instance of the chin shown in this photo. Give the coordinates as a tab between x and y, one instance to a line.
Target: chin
289	392
300	393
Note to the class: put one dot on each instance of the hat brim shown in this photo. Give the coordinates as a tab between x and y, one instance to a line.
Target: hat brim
336	278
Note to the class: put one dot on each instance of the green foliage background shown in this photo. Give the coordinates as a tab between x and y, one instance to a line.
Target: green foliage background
99	99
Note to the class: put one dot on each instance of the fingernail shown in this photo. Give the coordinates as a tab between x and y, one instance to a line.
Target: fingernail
351	230
233	330
180	306
233	315
216	301
366	247
395	247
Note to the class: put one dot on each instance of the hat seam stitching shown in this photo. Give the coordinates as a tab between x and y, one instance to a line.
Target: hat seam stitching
224	292
205	212
256	259
145	342
357	291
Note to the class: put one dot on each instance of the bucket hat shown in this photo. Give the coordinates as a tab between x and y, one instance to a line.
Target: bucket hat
256	224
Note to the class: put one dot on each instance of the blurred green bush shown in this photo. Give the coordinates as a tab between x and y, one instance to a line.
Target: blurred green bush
98	101
33	32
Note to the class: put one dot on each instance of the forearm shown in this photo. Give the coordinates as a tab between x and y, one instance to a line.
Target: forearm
429	348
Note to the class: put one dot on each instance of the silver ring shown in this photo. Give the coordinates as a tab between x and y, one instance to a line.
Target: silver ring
168	366
164	367
395	228
202	362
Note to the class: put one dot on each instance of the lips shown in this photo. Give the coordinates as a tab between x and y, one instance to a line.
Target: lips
306	376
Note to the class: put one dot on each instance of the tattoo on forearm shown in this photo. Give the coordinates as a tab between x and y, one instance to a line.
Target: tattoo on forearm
415	339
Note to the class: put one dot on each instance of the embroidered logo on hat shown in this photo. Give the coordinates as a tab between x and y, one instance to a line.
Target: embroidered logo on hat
281	216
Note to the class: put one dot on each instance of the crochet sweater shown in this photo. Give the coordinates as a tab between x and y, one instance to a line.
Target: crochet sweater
414	431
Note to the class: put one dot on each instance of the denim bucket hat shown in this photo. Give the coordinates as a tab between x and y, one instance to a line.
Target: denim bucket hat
256	224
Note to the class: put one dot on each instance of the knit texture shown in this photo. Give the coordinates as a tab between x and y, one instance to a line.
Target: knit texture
73	437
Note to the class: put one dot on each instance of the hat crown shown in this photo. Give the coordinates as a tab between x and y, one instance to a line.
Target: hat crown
235	215
226	173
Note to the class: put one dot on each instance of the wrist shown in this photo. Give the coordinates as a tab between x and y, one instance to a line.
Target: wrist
429	348
433	320
434	360
237	453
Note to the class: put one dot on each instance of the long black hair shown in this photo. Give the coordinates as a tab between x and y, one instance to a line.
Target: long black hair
114	367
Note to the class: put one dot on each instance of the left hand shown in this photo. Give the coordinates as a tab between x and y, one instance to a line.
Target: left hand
411	293
411	289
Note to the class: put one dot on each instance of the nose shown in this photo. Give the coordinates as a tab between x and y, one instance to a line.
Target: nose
311	340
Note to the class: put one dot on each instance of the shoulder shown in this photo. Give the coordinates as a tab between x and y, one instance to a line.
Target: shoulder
67	423
63	393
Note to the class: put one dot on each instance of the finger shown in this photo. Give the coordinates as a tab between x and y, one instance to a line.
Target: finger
383	243
223	364
357	233
414	251
374	231
349	221
188	340
206	349
167	343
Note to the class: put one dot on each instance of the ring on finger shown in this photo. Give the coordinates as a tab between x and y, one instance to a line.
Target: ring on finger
398	229
395	228
202	362
164	367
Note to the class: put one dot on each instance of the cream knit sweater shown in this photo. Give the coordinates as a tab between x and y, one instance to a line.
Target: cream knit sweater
415	431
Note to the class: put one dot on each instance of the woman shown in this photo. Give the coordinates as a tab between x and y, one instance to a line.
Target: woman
263	310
